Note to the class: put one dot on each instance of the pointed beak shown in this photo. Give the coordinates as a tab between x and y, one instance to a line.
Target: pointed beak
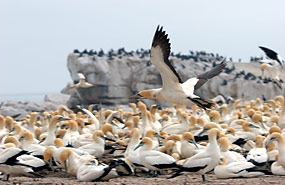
119	119
193	142
269	141
202	132
136	96
253	126
158	135
137	114
139	145
63	119
21	138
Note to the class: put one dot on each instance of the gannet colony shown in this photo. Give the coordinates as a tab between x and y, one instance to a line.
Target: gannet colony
181	115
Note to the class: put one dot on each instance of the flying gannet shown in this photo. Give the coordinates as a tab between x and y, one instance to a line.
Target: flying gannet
173	89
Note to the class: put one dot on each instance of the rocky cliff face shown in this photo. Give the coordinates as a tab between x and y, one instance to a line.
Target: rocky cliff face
119	74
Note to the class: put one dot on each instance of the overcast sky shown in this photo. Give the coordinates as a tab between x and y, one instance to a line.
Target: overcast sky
36	36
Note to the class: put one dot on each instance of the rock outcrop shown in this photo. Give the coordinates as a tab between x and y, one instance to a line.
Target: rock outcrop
119	74
18	109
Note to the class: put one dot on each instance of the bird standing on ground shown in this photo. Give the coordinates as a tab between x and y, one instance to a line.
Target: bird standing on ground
173	89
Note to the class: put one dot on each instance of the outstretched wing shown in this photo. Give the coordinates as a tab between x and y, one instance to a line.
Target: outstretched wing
271	54
160	51
203	78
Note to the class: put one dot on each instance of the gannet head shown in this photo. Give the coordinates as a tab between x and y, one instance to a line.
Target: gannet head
263	67
60	133
275	137
150	133
48	154
256	118
224	144
98	134
231	130
214	116
148	94
58	143
188	136
73	125
145	141
169	145
12	139
1	121
213	133
9	122
28	136
176	156
65	153
274	129
207	127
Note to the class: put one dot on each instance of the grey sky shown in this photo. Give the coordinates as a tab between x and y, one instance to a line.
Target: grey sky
36	36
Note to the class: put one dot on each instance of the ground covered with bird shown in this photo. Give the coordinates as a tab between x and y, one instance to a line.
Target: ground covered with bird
61	178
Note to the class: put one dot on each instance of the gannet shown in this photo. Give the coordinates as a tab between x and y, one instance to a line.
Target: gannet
258	155
27	144
51	130
178	128
272	65
173	89
203	161
189	147
10	165
90	171
235	169
276	168
281	146
82	82
152	159
230	156
96	148
72	161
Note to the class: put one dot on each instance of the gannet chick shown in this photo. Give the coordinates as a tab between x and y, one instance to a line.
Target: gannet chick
152	159
173	89
82	82
204	161
235	169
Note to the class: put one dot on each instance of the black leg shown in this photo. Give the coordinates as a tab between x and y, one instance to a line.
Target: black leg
8	175
204	178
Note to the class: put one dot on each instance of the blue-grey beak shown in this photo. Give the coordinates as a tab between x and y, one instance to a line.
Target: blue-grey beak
139	145
193	142
269	141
